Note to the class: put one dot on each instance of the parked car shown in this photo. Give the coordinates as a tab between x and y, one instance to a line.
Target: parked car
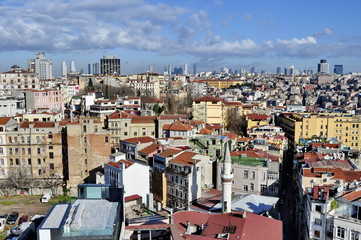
12	218
46	197
15	231
23	218
3	216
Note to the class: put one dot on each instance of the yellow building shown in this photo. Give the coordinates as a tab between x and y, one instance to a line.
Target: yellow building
345	127
215	110
221	83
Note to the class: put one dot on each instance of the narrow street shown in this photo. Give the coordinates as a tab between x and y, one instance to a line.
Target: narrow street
288	198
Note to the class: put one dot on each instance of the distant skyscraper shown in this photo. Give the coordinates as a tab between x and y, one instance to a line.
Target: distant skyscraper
169	69
72	67
151	70
42	66
95	68
323	67
186	69
279	70
64	70
90	69
252	70
290	70
338	69
110	65
194	69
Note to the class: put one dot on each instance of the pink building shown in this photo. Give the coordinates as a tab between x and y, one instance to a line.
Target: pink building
49	98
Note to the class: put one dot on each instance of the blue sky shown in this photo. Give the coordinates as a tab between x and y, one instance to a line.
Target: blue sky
210	33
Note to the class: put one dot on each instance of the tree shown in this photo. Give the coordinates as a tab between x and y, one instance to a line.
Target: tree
90	85
158	109
234	121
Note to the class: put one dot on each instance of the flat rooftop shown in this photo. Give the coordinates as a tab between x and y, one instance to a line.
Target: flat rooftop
91	217
249	161
54	219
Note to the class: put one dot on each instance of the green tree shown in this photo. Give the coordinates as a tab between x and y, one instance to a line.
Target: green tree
158	109
90	85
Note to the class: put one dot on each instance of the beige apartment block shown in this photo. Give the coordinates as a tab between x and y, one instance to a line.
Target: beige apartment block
345	127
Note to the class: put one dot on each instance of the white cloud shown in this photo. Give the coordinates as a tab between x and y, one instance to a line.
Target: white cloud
326	32
248	16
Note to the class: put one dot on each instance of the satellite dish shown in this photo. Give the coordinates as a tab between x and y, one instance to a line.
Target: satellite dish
340	189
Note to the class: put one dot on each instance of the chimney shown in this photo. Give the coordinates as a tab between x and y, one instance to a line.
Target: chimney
244	214
315	192
189	231
171	221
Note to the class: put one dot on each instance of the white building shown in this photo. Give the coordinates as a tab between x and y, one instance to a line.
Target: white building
64	70
134	176
42	66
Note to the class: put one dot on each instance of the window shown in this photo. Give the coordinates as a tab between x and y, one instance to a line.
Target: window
263	188
11	161
263	176
29	161
253	174
39	161
355	235
1	151
39	150
51	166
245	188
340	232
125	133
135	133
272	188
17	161
318	221
318	208
317	234
51	155
251	187
106	139
245	174
144	133
2	162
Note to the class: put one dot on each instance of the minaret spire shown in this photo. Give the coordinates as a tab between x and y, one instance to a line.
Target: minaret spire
227	177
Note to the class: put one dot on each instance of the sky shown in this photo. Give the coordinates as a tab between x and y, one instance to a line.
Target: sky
236	34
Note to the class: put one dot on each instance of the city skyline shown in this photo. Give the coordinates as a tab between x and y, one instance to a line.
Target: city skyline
210	34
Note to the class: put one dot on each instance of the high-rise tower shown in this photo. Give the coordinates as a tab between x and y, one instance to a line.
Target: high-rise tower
227	177
110	65
323	67
72	67
42	66
64	70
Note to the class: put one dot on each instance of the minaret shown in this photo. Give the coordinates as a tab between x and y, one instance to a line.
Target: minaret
227	177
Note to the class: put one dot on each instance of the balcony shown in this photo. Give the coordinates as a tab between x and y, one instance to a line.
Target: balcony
173	170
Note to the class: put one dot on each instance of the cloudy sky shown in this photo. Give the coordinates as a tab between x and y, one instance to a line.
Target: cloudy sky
210	33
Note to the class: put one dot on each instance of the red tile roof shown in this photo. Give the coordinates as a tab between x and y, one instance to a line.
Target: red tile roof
139	140
230	135
346	175
208	99
132	197
169	152
178	126
163	117
206	131
352	195
239	226
152	148
143	119
117	164
38	124
257	117
184	158
4	120
152	100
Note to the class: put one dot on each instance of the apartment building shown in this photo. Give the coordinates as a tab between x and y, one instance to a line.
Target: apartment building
86	148
254	172
51	99
17	79
346	128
